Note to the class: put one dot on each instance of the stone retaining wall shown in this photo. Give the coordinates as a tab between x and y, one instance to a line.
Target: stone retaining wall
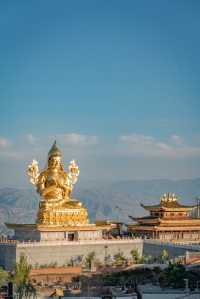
61	253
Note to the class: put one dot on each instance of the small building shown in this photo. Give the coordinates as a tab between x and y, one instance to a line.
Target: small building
38	232
54	276
169	220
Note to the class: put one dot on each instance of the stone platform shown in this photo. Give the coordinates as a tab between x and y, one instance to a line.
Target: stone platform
39	232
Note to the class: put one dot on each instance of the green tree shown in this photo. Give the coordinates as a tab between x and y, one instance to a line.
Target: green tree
148	259
3	276
174	276
135	256
89	259
21	279
164	256
119	259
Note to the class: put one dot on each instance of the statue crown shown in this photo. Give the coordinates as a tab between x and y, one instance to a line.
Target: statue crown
54	151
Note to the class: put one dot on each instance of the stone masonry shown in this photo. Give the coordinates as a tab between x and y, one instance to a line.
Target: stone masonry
61	252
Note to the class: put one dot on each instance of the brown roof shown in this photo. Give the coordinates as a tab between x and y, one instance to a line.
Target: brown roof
167	204
57	270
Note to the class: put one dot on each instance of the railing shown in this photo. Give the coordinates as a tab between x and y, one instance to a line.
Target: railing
8	241
171	244
74	243
71	243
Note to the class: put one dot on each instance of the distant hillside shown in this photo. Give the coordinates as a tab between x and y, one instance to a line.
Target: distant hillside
20	205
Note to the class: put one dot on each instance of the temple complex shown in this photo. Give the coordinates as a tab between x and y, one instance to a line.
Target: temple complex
62	230
169	220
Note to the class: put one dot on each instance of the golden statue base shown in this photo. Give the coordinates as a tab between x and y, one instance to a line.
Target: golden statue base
56	212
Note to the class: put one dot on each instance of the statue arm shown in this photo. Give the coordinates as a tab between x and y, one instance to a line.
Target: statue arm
41	184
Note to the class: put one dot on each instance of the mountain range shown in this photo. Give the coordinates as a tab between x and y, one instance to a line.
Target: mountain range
104	200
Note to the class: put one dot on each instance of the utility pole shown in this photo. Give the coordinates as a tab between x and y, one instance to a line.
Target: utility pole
10	290
118	211
106	255
186	285
198	207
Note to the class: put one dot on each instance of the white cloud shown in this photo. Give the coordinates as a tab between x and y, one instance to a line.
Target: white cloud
135	139
177	139
174	147
127	156
8	150
78	139
30	138
4	143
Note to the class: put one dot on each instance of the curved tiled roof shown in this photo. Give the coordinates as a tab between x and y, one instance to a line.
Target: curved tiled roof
173	204
170	201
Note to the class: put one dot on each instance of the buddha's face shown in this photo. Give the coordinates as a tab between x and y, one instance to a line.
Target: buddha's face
54	162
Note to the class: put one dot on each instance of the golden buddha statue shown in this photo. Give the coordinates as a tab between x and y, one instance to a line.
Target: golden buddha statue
55	186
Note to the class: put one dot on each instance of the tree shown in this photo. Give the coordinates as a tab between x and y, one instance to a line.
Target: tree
21	279
3	276
135	256
89	259
148	259
164	256
174	276
119	259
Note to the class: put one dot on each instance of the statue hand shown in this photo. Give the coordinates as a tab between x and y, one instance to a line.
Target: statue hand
73	172
33	172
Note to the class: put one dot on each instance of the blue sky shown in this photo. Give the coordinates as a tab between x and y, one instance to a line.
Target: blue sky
113	81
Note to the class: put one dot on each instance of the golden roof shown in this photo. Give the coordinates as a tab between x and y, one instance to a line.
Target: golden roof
168	201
